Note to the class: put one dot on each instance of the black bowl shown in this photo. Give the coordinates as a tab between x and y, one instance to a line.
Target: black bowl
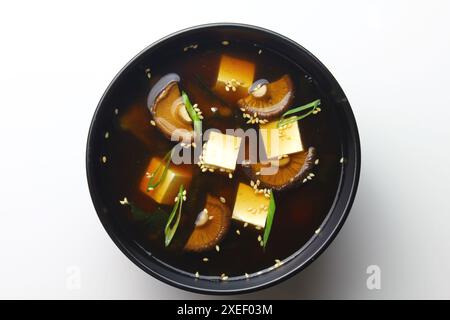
348	180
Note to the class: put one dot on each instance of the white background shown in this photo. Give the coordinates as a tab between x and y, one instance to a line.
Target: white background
390	57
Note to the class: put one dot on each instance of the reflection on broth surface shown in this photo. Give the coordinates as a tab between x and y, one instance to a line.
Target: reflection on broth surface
182	178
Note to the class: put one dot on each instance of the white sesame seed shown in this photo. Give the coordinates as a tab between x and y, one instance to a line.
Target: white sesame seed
316	162
116	111
217	248
260	51
238	231
222	199
317	231
259	238
197	274
124	201
106	135
245	225
104	159
230	175
247	275
205	259
225	42
342	160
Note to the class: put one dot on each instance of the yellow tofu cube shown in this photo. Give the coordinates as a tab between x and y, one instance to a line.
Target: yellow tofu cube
231	68
250	207
280	141
166	191
221	151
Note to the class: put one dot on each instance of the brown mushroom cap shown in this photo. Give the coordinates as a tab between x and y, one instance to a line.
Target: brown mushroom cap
275	99
292	169
168	110
207	234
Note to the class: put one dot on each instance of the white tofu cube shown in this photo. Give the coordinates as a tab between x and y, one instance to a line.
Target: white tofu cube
280	141
250	207
221	151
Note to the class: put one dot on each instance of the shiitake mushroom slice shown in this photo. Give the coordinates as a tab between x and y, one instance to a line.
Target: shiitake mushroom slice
268	100
209	231
292	168
168	110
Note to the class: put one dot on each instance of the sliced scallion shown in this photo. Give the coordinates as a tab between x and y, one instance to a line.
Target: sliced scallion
285	119
174	217
269	219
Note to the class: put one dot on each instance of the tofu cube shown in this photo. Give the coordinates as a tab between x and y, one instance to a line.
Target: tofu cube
221	151
250	207
166	191
280	141
234	68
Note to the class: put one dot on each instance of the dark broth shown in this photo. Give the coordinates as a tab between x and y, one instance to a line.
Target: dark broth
300	211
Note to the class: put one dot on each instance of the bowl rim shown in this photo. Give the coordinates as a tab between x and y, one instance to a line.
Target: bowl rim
355	141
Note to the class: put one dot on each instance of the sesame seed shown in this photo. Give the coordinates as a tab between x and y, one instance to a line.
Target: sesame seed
223	276
304	180
217	248
317	231
259	238
222	199
106	135
261	243
230	175
247	275
124	201
205	259
342	160
210	217
245	225
104	159
197	274
316	162
225	42
238	232
260	51
116	111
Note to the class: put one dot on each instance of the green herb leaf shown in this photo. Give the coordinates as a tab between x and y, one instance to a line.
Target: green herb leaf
154	222
192	113
312	106
154	180
171	228
269	219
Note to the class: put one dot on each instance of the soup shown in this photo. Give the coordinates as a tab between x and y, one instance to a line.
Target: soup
221	159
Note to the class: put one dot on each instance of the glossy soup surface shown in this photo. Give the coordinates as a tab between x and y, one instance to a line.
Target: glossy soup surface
131	141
